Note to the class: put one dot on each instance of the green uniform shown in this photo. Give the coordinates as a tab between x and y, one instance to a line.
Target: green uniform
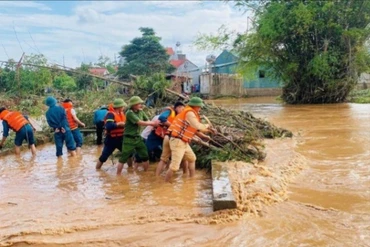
132	141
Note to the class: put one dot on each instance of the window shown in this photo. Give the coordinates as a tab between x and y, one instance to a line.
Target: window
261	74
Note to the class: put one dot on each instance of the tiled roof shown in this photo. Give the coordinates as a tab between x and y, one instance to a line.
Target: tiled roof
98	71
170	51
177	63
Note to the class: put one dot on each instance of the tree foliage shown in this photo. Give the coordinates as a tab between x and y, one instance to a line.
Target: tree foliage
144	55
315	47
64	82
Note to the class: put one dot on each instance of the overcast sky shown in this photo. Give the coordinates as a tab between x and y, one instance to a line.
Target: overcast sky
81	31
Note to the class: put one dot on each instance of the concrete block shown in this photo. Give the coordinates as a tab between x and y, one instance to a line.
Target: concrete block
223	197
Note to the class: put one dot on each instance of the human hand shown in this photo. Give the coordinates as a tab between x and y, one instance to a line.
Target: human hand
155	123
206	138
213	130
62	130
121	124
83	125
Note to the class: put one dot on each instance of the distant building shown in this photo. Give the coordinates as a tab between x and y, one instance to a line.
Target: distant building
99	71
224	70
186	73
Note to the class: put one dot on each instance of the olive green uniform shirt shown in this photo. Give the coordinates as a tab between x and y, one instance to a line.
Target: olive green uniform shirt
131	127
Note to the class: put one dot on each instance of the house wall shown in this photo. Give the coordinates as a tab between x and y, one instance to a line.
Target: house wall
363	82
231	85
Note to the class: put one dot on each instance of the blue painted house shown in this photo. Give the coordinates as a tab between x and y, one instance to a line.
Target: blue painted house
226	63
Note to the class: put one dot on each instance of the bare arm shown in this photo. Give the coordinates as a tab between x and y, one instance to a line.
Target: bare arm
78	120
148	123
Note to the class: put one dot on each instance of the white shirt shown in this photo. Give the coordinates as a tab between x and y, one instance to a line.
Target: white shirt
148	129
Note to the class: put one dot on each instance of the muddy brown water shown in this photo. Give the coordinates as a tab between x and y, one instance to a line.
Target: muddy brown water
318	188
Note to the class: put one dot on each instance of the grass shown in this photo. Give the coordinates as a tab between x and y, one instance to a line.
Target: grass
360	96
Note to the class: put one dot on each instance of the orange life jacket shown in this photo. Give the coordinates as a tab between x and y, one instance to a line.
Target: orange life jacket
121	117
180	128
161	130
71	122
15	119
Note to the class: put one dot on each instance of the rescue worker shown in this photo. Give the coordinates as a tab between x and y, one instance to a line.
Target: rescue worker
57	119
181	131
99	116
73	123
132	141
166	118
19	124
114	124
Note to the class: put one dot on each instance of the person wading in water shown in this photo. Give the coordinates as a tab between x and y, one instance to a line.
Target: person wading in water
132	141
22	127
57	119
114	125
181	131
73	123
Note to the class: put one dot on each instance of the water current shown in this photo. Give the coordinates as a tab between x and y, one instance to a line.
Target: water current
312	190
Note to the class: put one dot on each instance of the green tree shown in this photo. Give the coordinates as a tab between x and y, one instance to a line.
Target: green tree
64	82
83	80
315	47
144	55
34	79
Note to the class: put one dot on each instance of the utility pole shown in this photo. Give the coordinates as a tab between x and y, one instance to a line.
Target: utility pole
18	79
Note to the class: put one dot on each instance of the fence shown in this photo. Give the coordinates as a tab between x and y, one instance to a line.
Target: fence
231	85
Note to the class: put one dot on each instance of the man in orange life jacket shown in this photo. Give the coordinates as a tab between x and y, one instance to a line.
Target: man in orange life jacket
181	131
73	123
114	125
20	124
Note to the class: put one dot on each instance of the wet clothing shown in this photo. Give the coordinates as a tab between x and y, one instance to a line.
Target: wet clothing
154	146
110	143
181	131
24	133
99	116
133	145
132	141
57	119
60	138
180	150
99	132
77	137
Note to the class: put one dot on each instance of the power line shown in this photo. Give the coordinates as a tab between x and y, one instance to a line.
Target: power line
17	37
5	51
34	42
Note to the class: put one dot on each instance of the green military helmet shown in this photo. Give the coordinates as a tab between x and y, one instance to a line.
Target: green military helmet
117	103
196	101
134	100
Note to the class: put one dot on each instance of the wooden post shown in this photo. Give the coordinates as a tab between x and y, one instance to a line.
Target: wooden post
17	75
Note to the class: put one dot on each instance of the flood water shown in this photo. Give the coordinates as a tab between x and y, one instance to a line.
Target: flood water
45	202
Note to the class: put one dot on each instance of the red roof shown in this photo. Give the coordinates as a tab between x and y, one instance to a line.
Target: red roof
177	63
170	51
99	71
